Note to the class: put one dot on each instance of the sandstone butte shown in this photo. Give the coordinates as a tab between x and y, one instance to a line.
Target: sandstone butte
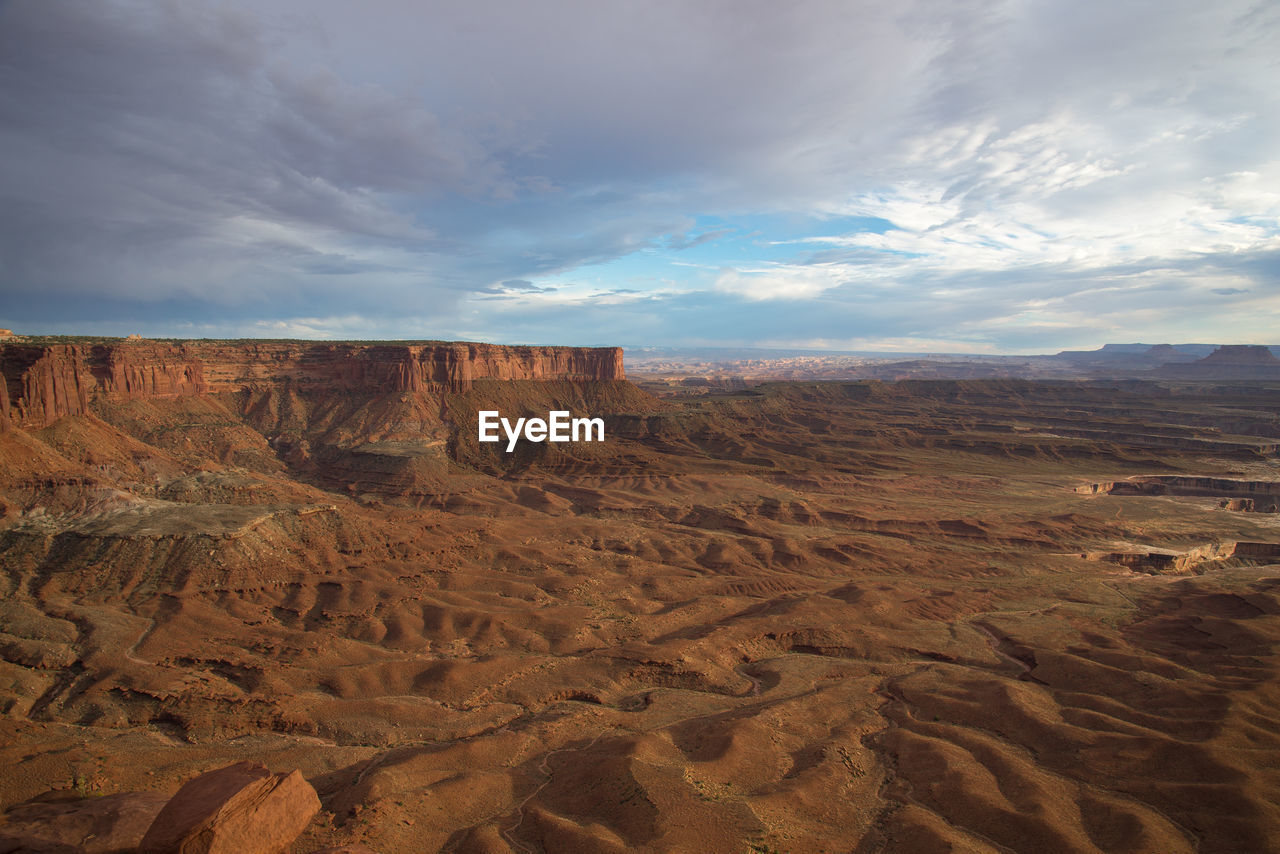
1230	361
44	382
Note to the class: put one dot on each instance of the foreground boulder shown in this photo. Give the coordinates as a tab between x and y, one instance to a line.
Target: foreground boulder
240	809
68	822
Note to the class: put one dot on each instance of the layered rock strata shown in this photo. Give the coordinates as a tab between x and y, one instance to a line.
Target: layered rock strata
43	382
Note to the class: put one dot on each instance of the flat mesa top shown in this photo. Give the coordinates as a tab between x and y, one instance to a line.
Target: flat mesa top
97	339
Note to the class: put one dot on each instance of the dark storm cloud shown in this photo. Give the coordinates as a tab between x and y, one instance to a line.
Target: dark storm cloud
155	150
161	146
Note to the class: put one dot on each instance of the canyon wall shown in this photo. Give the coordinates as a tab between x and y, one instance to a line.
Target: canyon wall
1213	487
43	382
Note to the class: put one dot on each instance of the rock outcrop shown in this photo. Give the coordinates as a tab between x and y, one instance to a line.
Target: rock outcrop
1192	560
1216	487
240	809
4	404
43	382
1241	354
1230	361
1131	357
1242	505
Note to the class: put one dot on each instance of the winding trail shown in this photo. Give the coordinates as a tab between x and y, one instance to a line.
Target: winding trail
129	653
994	642
545	769
756	682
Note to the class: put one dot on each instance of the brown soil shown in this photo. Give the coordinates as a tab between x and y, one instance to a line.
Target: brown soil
843	617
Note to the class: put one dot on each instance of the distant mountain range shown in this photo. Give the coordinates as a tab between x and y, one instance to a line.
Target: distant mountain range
1174	352
1236	361
1150	355
1149	361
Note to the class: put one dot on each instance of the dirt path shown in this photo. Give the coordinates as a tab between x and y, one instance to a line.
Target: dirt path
545	769
129	653
994	642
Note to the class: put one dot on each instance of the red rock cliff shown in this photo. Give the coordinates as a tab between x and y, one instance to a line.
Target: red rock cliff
45	381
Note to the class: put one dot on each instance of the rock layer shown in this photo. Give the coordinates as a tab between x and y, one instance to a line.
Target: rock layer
43	382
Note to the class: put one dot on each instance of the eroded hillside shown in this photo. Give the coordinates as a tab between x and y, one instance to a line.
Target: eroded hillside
822	617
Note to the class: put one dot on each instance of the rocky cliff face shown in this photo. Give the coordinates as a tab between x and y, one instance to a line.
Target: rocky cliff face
1241	354
1230	361
43	382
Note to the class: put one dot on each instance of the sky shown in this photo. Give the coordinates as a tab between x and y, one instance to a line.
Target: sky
962	176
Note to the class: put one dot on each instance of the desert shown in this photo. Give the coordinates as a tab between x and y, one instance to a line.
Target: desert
978	614
572	427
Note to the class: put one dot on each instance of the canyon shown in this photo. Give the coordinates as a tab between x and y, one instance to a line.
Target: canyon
948	614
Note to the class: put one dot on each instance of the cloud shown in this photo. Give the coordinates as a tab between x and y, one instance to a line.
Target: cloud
795	282
662	172
677	243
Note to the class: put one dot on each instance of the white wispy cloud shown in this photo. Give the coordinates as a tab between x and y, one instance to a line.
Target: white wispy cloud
779	282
